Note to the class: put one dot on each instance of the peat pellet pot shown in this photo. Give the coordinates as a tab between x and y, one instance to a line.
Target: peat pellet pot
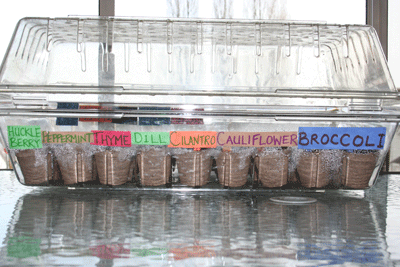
194	168
111	169
233	168
154	167
76	165
357	169
312	169
36	165
272	168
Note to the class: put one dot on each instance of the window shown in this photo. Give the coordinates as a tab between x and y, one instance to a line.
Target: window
339	11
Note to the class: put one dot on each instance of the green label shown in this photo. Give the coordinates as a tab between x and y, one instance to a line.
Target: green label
24	137
23	247
150	138
144	252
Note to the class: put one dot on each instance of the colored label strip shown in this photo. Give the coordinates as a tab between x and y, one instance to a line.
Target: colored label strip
257	139
112	138
193	139
150	138
24	137
67	137
342	138
368	138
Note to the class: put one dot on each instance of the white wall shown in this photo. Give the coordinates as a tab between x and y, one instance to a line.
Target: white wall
394	41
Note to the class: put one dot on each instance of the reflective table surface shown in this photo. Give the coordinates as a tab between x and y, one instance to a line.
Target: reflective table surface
84	227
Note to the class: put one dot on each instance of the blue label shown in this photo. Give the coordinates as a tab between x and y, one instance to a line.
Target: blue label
341	138
67	121
154	120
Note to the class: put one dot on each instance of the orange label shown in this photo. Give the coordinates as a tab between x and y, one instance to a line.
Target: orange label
193	139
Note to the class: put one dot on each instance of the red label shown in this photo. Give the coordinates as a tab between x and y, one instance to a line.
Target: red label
186	120
112	138
112	251
94	119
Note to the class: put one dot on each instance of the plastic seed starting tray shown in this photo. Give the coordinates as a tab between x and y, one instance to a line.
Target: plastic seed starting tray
181	103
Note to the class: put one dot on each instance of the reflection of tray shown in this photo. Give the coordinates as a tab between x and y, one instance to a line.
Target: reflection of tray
154	167
313	172
233	168
36	165
111	169
273	221
72	217
357	169
311	220
194	168
272	168
112	216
